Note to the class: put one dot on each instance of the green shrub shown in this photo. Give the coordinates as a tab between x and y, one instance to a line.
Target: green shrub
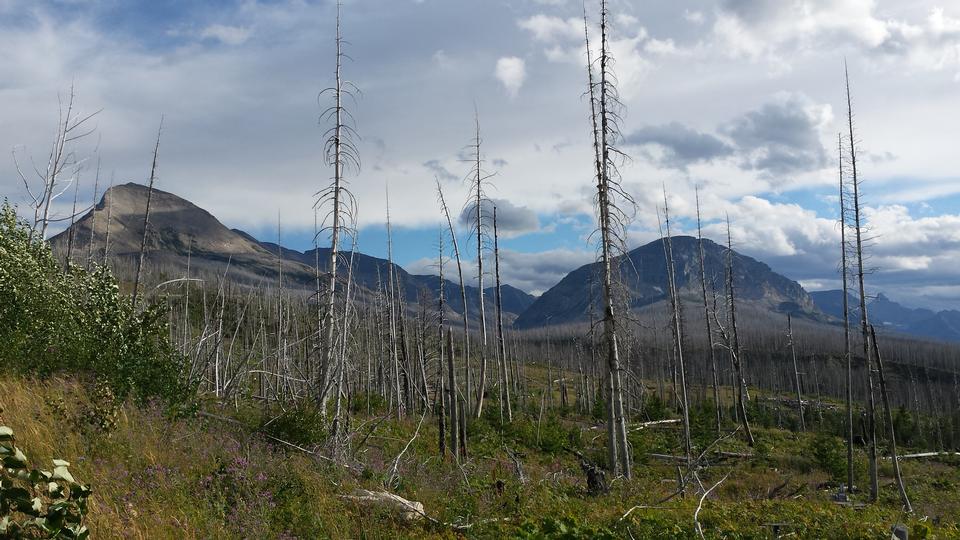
829	453
77	321
36	503
302	425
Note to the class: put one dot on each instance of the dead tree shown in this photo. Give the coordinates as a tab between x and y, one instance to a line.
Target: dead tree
106	234
504	372
736	352
864	320
341	362
677	329
454	392
392	301
706	316
340	153
889	417
93	217
146	216
847	353
611	218
796	371
477	178
71	128
71	231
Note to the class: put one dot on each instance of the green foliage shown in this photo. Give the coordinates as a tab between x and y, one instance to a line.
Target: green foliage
302	425
829	453
78	321
37	503
564	528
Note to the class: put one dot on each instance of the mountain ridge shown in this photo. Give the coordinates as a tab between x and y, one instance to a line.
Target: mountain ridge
182	233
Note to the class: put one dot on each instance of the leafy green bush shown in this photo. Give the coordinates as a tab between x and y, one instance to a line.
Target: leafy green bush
829	453
37	503
302	425
77	321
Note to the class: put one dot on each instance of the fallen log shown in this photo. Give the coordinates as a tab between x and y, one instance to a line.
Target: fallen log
408	510
925	455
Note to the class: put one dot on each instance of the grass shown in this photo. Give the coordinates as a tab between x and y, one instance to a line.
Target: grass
198	477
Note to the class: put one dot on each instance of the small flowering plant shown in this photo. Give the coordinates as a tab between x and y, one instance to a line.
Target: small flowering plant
37	503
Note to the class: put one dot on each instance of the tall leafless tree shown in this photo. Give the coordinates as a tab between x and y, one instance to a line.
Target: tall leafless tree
72	126
891	431
706	315
604	106
796	371
464	316
736	352
676	327
864	320
341	153
146	216
847	353
502	361
478	178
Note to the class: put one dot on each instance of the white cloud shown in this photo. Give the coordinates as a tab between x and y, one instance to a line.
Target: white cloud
230	35
551	29
511	72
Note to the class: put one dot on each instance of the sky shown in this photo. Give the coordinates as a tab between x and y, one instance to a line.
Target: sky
741	98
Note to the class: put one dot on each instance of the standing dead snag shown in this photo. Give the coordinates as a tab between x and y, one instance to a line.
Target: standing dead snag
502	362
889	417
146	216
677	329
454	392
93	217
341	153
394	312
847	356
706	316
604	104
734	345
477	179
796	371
864	321
71	127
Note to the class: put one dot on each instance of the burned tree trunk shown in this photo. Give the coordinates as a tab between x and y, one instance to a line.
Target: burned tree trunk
706	318
504	372
146	218
864	321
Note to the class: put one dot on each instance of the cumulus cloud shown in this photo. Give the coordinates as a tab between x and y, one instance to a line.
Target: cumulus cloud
230	35
551	29
781	138
511	72
533	273
761	29
512	220
676	145
537	272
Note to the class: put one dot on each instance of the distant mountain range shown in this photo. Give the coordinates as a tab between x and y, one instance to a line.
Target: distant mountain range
644	273
885	313
181	231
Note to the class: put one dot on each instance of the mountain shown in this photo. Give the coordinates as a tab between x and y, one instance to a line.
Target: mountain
890	315
943	325
644	273
181	231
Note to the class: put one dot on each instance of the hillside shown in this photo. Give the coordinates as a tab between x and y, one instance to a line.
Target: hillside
643	271
180	232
